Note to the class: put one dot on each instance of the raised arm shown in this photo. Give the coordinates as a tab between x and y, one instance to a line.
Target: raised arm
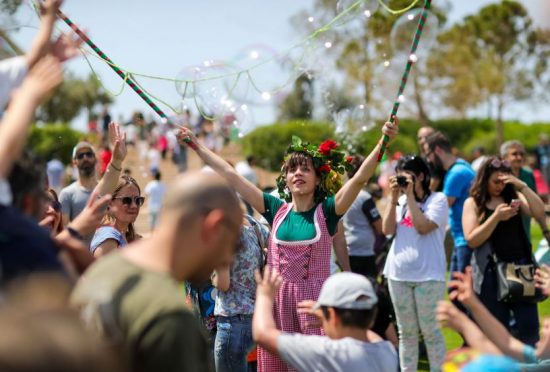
264	330
41	43
40	81
108	182
531	203
250	192
490	326
389	223
347	194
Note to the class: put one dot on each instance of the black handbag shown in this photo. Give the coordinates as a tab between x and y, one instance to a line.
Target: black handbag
516	283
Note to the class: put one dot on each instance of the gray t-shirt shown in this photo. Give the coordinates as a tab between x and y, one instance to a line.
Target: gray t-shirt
320	353
359	233
73	199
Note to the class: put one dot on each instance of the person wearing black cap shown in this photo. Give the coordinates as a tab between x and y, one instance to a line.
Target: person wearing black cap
346	308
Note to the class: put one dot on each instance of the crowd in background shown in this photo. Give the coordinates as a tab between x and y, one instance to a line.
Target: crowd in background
318	274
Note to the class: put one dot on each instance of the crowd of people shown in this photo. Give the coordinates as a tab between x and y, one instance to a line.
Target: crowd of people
229	268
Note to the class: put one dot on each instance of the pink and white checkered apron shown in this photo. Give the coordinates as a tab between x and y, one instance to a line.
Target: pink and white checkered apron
304	266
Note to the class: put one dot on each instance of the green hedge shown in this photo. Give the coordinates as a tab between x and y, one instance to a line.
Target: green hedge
49	139
268	143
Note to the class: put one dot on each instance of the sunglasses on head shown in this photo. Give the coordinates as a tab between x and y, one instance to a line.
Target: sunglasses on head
87	154
127	200
497	164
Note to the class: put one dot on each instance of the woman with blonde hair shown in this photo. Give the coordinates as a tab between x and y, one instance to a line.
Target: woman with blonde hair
117	228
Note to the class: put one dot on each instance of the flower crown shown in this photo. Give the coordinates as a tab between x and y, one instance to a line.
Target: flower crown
330	162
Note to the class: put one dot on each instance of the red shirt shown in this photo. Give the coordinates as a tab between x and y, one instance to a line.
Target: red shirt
105	157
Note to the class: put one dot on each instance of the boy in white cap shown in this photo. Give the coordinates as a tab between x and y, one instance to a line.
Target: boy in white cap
346	308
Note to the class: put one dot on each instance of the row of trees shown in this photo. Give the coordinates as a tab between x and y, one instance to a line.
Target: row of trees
486	60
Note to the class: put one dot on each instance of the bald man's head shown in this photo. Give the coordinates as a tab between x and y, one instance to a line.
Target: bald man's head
198	193
204	214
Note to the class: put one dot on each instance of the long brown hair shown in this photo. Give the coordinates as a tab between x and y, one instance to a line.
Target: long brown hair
109	219
480	188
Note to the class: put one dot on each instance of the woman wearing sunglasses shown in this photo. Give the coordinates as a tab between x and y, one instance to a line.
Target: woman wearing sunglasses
118	223
493	214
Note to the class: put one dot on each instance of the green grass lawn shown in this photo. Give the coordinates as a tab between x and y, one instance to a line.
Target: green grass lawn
453	339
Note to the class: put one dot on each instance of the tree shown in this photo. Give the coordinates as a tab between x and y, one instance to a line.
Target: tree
71	97
361	49
299	103
494	57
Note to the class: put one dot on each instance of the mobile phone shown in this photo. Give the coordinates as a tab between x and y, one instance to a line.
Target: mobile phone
515	203
401	181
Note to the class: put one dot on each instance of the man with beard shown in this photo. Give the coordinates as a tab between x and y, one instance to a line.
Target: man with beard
456	186
132	296
438	174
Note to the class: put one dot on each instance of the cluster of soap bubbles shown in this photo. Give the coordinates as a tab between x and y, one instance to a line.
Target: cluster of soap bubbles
260	75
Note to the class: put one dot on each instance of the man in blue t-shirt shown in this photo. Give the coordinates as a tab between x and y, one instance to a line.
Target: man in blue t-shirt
456	186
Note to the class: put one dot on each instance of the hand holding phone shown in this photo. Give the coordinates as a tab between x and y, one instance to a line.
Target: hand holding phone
515	203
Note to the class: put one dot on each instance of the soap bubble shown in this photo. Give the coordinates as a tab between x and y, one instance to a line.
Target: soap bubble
185	79
354	9
211	86
403	31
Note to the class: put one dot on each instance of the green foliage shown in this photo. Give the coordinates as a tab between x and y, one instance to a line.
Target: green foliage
54	139
269	143
71	97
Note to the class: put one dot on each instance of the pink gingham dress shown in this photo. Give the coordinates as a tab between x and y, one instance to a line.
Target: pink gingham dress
304	266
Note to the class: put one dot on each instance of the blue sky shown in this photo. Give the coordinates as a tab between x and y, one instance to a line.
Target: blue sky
161	38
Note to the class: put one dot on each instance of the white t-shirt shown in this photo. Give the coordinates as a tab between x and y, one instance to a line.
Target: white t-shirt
154	158
320	353
155	192
414	257
12	73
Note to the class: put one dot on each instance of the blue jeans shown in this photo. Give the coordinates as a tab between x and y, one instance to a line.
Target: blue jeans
233	342
460	258
525	314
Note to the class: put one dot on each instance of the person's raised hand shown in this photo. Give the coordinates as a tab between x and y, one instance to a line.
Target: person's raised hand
49	8
394	188
43	78
90	218
268	284
118	143
185	136
542	279
391	129
509	178
449	316
66	47
307	307
462	287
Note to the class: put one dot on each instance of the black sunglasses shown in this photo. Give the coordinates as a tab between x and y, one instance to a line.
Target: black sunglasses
87	154
127	200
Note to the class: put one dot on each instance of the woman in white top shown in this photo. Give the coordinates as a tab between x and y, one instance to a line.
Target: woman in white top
415	266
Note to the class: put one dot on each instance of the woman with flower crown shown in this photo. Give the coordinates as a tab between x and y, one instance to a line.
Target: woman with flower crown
302	222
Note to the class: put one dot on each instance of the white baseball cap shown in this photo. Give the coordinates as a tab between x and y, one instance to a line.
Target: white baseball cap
347	291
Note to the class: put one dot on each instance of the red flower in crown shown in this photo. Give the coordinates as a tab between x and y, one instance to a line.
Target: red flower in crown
327	146
349	159
324	168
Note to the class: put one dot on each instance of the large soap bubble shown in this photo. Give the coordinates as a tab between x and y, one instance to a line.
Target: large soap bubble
347	10
267	74
403	31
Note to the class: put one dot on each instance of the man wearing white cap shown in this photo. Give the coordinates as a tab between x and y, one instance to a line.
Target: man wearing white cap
346	308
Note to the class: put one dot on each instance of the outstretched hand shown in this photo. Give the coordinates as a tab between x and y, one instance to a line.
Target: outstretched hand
49	8
90	218
118	143
449	316
306	307
186	137
46	74
267	284
462	287
391	129
66	47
